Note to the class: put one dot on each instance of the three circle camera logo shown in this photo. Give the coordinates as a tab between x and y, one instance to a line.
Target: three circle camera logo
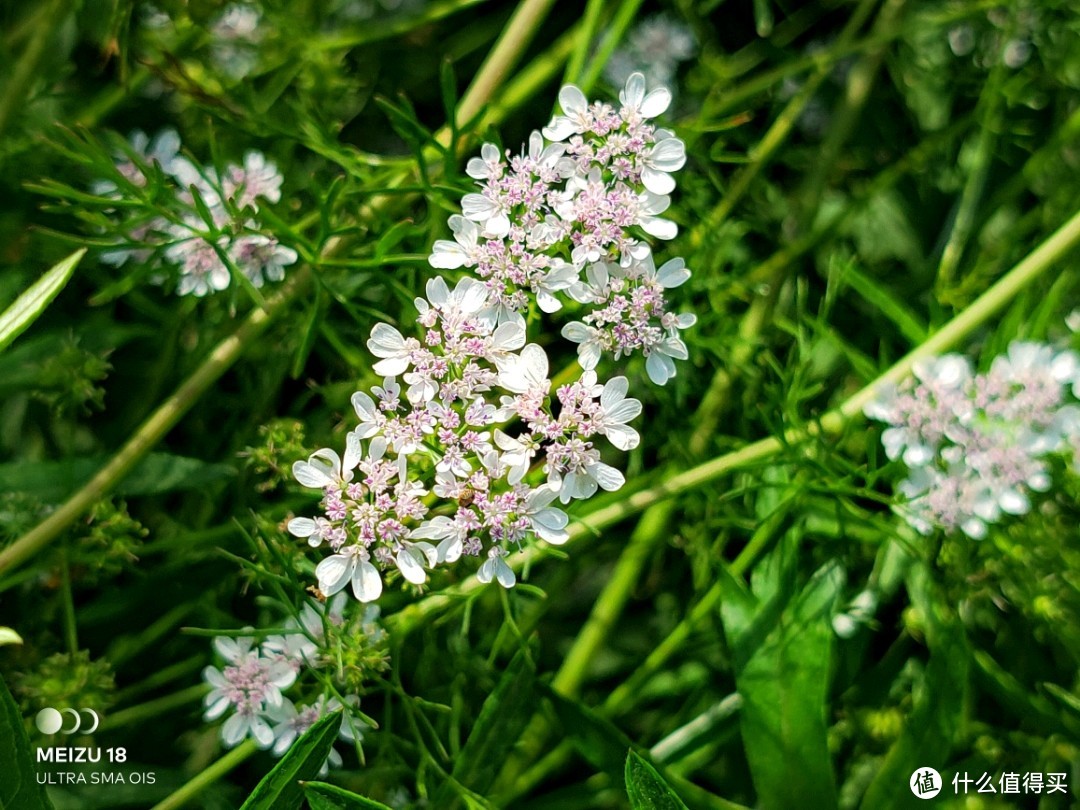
51	721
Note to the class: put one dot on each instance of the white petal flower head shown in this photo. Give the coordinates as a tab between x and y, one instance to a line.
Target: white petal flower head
387	343
649	205
526	371
246	724
412	558
490	213
462	252
326	468
488	166
663	159
660	363
495	567
951	371
450	534
351	566
589	343
672	273
547	521
582	484
615	411
639	104
575	118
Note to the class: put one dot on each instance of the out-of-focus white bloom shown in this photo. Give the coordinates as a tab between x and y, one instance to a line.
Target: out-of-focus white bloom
203	237
654	47
257	177
976	445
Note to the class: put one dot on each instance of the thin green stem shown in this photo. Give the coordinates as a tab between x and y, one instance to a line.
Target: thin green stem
71	635
22	77
519	32
206	778
160	677
153	708
155	427
585	36
972	193
764	151
624	17
977	314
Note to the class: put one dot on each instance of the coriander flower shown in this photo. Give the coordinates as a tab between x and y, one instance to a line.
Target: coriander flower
977	445
290	723
576	200
477	431
249	685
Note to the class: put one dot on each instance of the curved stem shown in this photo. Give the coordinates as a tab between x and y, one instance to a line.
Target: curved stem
154	428
230	349
206	778
978	313
519	32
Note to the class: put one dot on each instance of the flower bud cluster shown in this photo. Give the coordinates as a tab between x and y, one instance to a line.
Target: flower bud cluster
253	683
978	445
207	227
566	219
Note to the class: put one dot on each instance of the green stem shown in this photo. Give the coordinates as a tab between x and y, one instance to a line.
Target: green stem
153	708
763	152
520	30
585	35
21	78
759	315
155	427
71	635
160	677
597	628
977	314
975	185
206	778
625	15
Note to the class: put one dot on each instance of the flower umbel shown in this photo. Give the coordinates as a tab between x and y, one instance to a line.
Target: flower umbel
977	445
580	199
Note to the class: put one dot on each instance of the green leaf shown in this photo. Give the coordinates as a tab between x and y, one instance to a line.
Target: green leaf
321	796
19	788
785	684
885	302
938	712
29	306
9	636
281	789
156	474
646	788
598	740
504	716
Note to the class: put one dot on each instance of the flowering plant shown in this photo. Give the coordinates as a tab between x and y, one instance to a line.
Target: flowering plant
480	414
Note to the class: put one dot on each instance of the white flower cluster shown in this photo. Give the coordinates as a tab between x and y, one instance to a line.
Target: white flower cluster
236	34
251	684
654	47
467	444
210	228
474	417
565	219
977	445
